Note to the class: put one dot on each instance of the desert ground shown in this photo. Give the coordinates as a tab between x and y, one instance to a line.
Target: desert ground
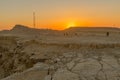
71	54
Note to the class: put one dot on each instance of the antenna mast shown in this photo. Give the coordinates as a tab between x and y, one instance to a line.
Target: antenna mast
34	20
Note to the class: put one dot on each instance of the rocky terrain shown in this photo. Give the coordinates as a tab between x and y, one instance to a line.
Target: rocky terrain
72	54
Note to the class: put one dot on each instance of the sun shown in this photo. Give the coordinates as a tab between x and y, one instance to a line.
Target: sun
71	24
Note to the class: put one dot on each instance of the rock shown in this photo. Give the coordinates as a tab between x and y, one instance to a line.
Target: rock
41	66
70	65
63	74
48	77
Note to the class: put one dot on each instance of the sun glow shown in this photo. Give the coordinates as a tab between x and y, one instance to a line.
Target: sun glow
71	24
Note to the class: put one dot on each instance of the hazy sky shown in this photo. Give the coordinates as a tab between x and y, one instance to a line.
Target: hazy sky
58	14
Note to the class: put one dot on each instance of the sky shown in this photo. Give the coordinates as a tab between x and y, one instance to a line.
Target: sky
60	14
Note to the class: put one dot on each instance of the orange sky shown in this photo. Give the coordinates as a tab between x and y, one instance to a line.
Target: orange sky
60	14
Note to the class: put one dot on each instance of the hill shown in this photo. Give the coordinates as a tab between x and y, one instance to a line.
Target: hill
25	30
92	29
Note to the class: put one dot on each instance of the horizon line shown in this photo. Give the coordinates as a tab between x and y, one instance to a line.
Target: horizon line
64	28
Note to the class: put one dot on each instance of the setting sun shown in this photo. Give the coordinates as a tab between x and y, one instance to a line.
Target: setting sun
71	24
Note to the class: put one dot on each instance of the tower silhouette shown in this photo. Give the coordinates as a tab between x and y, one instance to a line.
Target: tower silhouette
34	20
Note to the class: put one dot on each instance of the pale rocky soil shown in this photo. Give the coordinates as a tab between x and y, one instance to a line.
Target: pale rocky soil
85	56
